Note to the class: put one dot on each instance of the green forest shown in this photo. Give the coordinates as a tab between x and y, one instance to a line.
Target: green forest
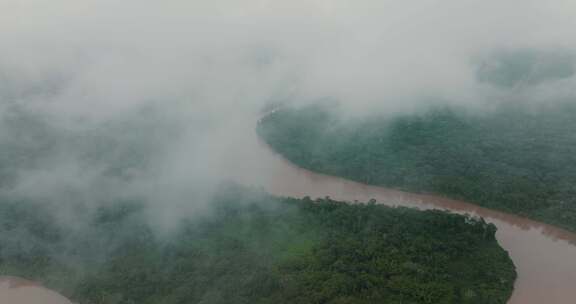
512	157
250	247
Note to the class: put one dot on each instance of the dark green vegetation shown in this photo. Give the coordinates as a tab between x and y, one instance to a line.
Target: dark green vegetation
512	158
254	248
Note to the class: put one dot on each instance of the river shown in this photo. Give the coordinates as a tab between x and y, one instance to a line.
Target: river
18	291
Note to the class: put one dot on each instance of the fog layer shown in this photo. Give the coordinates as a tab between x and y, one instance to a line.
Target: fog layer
101	99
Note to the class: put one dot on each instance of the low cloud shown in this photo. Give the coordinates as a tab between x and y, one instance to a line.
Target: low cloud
105	99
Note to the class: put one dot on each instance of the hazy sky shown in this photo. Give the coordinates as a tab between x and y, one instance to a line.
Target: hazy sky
90	68
226	53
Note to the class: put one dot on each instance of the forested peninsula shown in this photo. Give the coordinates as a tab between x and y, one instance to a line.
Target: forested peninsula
250	247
